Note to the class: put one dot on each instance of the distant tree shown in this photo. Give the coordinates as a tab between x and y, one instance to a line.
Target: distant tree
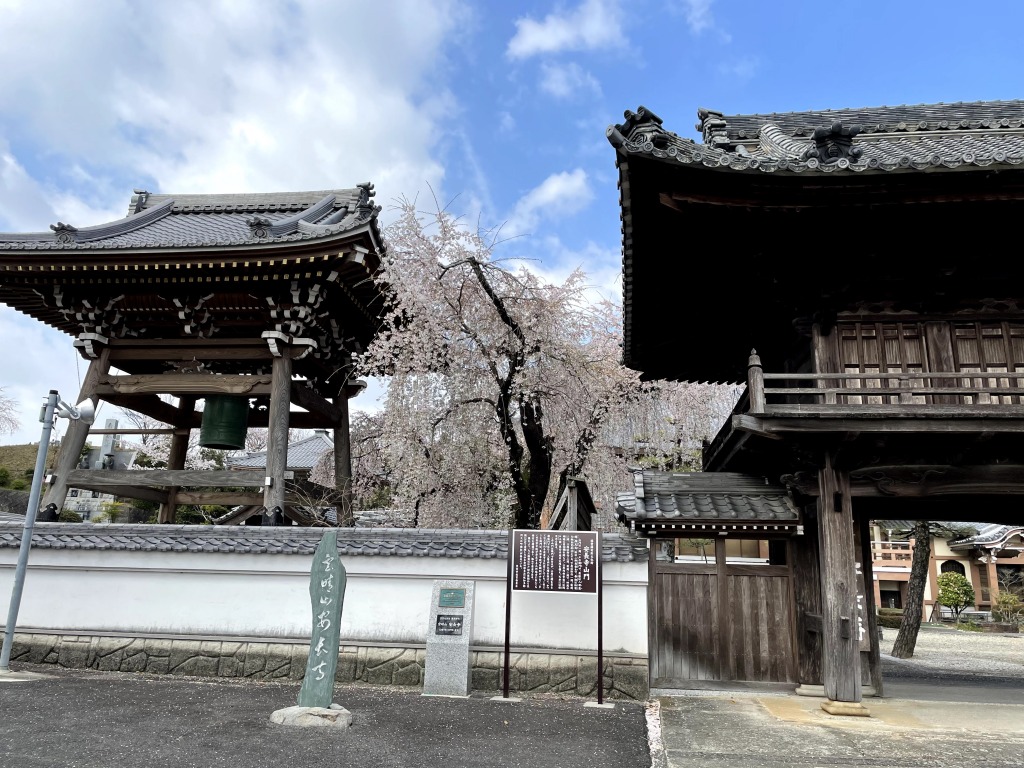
955	592
9	422
906	638
499	380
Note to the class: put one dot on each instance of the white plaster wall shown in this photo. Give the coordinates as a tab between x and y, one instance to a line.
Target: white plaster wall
264	595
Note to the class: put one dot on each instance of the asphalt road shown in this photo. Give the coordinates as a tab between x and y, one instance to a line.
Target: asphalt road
901	681
87	719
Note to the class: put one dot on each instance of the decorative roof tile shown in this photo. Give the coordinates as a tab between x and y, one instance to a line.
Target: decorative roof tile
291	540
928	136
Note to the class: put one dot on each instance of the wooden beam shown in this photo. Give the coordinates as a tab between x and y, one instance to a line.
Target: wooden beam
166	431
187	350
774	426
195	384
921	481
127	491
305	397
155	408
296	420
158	478
223	498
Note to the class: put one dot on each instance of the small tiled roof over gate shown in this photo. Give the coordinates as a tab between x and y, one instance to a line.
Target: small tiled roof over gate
710	500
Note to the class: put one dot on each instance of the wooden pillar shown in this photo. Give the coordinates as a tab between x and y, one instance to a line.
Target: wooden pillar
993	579
343	461
869	654
726	658
176	458
840	644
277	434
826	358
939	343
807	602
71	446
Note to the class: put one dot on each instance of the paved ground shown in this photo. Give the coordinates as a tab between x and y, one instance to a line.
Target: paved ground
784	731
86	719
960	704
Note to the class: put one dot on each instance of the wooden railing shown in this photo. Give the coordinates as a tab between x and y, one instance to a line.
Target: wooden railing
908	390
891	551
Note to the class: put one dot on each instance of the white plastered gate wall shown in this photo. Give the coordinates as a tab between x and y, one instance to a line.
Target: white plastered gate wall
266	596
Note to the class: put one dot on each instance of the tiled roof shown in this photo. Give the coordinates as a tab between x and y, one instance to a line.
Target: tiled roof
12	517
713	497
926	136
290	540
990	534
302	454
961	115
195	221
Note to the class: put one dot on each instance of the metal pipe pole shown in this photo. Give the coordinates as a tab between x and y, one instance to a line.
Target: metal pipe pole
26	534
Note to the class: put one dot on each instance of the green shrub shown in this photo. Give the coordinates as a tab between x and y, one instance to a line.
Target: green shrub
69	516
968	626
955	592
889	620
1008	608
5	477
18	485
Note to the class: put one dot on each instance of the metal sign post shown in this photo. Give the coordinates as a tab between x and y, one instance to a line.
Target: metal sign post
554	561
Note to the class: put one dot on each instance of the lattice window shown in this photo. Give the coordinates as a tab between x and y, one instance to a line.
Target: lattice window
989	348
882	348
953	566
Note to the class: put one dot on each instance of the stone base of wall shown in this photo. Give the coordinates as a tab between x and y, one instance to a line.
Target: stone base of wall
530	672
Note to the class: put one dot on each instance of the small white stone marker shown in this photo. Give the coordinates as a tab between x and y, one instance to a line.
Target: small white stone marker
447	670
595	705
509	700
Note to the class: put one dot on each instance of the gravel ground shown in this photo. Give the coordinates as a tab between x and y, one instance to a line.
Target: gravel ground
944	650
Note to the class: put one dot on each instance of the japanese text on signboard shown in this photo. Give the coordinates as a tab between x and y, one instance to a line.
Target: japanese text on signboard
554	561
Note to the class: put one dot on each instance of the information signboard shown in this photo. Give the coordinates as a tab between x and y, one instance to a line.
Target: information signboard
555	561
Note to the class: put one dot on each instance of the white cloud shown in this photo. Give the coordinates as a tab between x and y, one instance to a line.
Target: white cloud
227	97
564	81
206	96
560	194
698	14
741	69
593	24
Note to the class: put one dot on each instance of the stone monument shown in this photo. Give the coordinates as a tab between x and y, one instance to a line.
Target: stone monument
327	580
448	634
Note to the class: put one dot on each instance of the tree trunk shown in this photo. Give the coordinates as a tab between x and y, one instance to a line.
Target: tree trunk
911	624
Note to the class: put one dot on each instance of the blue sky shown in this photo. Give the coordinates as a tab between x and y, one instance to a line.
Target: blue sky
497	108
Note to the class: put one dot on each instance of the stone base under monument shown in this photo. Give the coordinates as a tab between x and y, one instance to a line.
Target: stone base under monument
335	716
625	677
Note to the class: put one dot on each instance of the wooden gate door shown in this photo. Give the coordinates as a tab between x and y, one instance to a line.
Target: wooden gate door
720	622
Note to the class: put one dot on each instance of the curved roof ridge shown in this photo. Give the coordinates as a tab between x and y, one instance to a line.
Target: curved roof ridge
778	144
291	223
65	233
